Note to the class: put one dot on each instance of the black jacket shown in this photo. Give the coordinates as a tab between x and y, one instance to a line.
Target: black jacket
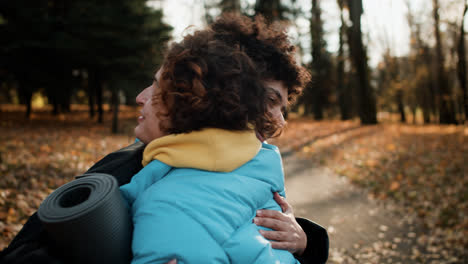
31	245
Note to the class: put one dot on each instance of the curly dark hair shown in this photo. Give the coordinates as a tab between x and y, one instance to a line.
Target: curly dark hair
268	46
207	83
216	77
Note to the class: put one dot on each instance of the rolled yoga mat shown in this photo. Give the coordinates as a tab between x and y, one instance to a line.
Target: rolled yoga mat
88	220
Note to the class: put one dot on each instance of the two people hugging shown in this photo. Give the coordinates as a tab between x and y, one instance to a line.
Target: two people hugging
206	192
210	189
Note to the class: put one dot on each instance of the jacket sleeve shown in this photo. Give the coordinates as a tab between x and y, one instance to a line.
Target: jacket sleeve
316	251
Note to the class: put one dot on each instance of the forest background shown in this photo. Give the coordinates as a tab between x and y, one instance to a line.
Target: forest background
70	71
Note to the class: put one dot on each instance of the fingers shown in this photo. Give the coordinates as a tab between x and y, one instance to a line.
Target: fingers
174	261
287	233
271	223
283	245
282	240
272	214
275	235
282	202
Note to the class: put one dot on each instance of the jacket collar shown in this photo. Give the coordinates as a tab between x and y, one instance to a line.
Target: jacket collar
210	149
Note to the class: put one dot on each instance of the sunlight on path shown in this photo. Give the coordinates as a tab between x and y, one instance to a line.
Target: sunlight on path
361	230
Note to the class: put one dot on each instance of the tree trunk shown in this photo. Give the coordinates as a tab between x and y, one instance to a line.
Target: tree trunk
317	107
99	104
25	92
367	108
52	96
115	107
97	87
427	98
317	65
446	109
91	96
308	108
462	63
343	99
65	104
431	95
230	6
401	107
55	108
270	9
55	104
28	102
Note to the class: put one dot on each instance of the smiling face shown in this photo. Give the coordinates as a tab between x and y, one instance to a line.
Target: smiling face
149	121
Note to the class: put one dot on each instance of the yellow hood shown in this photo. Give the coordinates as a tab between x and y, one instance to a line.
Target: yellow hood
210	149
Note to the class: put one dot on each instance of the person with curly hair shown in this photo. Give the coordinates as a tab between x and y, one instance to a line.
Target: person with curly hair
274	56
206	173
205	193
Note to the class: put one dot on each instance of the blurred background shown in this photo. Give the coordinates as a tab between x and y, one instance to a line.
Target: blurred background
385	114
369	59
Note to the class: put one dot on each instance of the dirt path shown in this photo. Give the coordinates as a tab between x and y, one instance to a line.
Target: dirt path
361	229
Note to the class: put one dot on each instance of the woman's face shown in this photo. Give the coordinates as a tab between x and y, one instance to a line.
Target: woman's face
148	122
277	96
277	93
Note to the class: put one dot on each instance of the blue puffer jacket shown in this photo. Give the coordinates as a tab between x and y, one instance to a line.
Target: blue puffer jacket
200	216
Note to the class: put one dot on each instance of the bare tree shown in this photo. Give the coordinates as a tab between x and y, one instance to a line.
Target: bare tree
461	66
318	47
115	110
421	63
446	109
344	98
366	107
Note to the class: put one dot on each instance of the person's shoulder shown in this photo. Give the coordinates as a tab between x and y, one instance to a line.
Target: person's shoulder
153	172
121	164
144	179
269	151
265	145
266	166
